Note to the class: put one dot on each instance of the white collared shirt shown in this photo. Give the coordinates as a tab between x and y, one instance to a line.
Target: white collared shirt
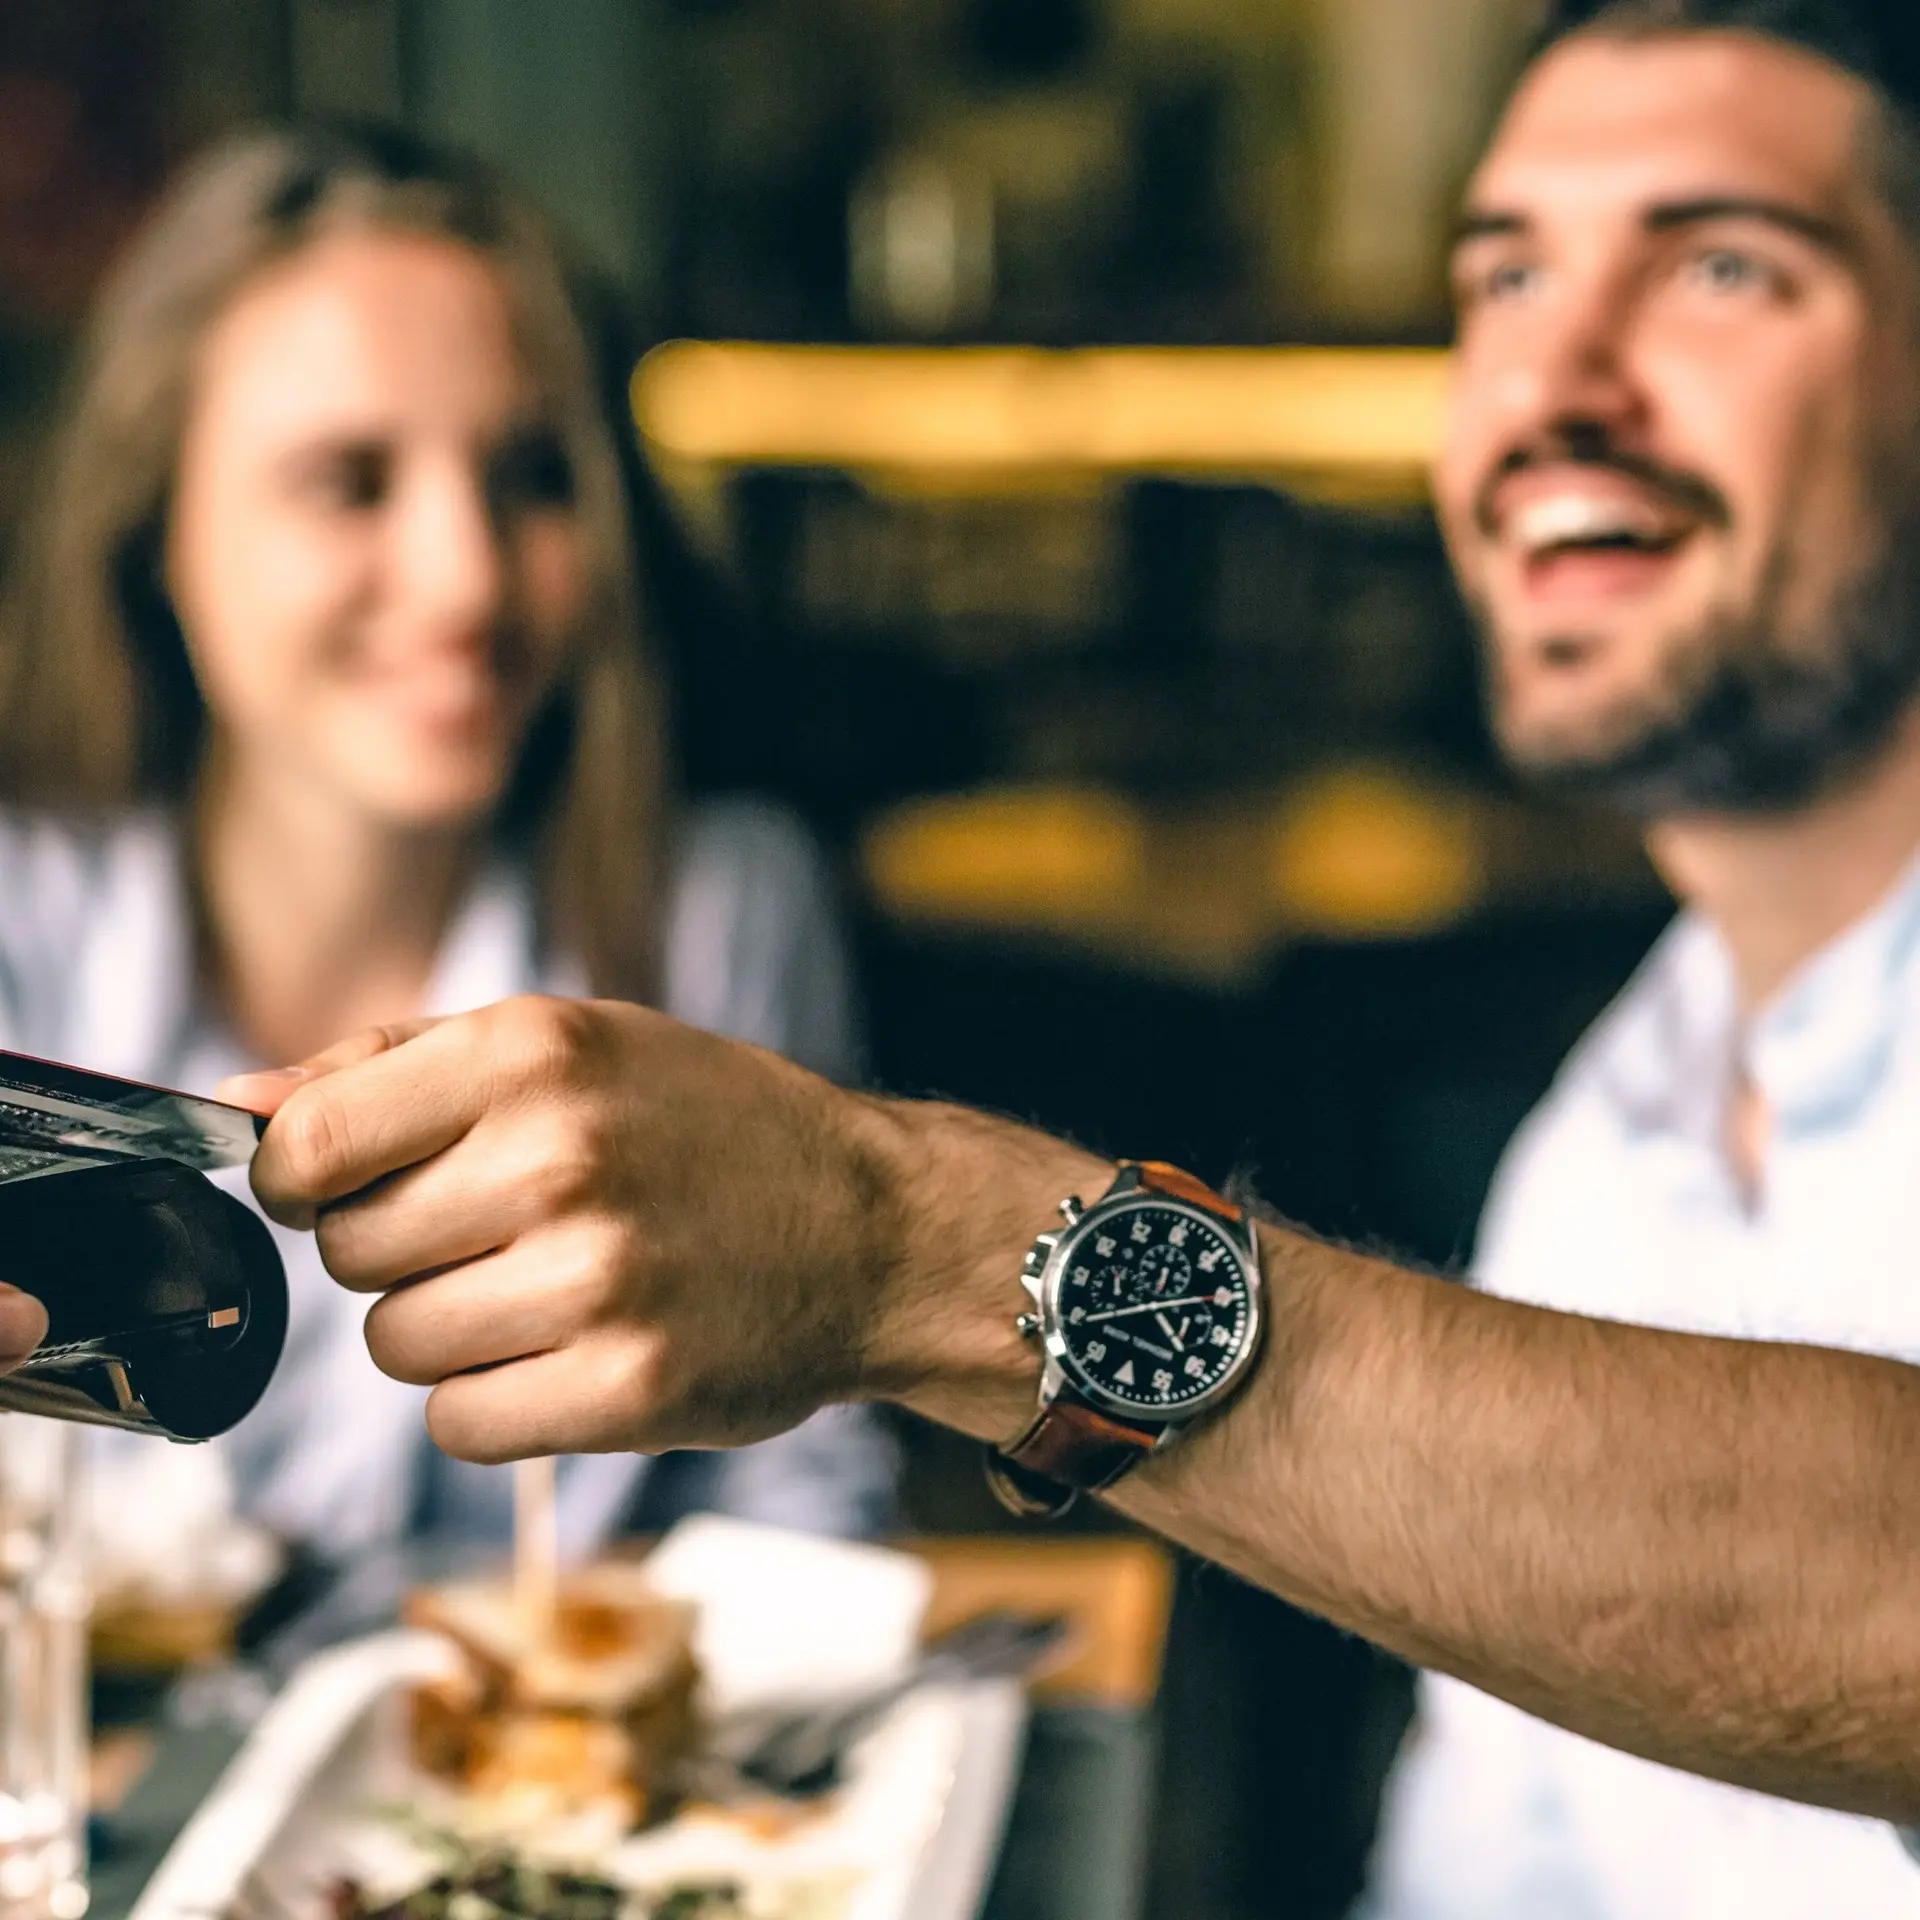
97	968
1616	1200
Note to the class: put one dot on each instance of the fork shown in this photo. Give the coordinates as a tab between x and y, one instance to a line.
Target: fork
799	1754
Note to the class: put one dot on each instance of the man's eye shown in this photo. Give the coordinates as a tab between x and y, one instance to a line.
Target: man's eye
1505	280
1724	270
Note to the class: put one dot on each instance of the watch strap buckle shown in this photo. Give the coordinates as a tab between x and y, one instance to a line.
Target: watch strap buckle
1069	1448
1025	1494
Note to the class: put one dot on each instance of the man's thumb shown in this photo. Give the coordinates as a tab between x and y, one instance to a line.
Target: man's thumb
268	1090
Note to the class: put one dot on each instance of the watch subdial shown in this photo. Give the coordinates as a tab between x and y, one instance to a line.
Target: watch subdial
1164	1273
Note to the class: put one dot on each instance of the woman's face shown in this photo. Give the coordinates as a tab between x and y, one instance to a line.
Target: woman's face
373	550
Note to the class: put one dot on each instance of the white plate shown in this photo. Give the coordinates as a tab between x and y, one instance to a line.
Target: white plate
913	1833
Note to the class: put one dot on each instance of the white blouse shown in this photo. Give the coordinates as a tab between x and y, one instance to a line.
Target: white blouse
97	968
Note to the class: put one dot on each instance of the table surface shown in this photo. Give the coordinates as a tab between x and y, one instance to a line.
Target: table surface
1075	1846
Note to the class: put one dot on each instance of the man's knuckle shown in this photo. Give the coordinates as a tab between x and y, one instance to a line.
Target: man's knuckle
453	1429
352	1241
336	1233
315	1140
540	1038
562	1164
611	1278
633	1375
576	1265
393	1341
518	1021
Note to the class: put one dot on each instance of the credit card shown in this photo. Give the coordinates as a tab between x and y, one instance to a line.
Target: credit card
54	1117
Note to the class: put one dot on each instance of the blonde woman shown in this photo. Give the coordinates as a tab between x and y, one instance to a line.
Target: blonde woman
323	702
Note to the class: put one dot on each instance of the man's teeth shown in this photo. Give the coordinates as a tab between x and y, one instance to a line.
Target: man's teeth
1574	519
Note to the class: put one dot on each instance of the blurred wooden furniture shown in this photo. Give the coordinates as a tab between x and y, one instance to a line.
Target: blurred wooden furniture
1118	1594
129	1640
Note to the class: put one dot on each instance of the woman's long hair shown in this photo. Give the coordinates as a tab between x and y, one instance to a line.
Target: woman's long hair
99	708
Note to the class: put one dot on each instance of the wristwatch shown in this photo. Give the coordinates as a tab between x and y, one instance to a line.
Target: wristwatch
1147	1309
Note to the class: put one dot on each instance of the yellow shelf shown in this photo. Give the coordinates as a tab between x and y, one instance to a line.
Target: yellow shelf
1363	421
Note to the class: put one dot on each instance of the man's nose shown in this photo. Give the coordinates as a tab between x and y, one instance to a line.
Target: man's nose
450	551
1575	376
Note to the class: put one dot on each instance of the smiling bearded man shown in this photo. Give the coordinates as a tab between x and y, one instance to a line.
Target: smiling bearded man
1682	492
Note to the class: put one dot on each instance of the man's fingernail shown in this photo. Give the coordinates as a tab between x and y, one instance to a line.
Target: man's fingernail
264	1091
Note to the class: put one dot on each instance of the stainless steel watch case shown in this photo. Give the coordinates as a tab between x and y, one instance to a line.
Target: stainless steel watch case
1041	1274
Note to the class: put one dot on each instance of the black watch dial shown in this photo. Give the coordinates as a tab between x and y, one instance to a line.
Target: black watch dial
1154	1307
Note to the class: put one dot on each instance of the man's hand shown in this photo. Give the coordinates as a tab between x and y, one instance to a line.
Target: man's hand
23	1325
598	1229
595	1229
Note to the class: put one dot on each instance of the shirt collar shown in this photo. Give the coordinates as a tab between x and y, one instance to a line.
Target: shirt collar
1817	1050
1823	1043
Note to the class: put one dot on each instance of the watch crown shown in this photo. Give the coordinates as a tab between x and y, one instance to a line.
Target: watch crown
1034	1261
1071	1208
1026	1325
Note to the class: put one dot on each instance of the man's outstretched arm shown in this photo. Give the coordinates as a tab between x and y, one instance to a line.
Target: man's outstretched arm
1704	1551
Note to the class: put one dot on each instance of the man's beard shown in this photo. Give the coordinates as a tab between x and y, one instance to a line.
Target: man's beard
1749	719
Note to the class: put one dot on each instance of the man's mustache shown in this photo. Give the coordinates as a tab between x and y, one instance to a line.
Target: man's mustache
1695	496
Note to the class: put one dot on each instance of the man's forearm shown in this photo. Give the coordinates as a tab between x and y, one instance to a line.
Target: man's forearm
1702	1551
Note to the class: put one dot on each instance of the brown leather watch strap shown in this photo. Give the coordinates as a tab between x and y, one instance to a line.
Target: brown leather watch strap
1069	1448
1157	1177
1072	1443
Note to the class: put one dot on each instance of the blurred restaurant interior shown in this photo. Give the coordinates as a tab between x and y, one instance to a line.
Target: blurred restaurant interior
1036	394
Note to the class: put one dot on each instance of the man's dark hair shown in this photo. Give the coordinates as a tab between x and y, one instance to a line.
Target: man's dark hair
1877	39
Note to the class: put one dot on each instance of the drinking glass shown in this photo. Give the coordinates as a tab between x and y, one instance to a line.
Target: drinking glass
43	1672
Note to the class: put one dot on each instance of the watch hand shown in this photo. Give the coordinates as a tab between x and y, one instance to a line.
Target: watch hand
1179	1345
1150	1306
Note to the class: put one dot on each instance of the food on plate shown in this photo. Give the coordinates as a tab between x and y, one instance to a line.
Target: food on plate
592	1709
504	1886
531	1748
493	1887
